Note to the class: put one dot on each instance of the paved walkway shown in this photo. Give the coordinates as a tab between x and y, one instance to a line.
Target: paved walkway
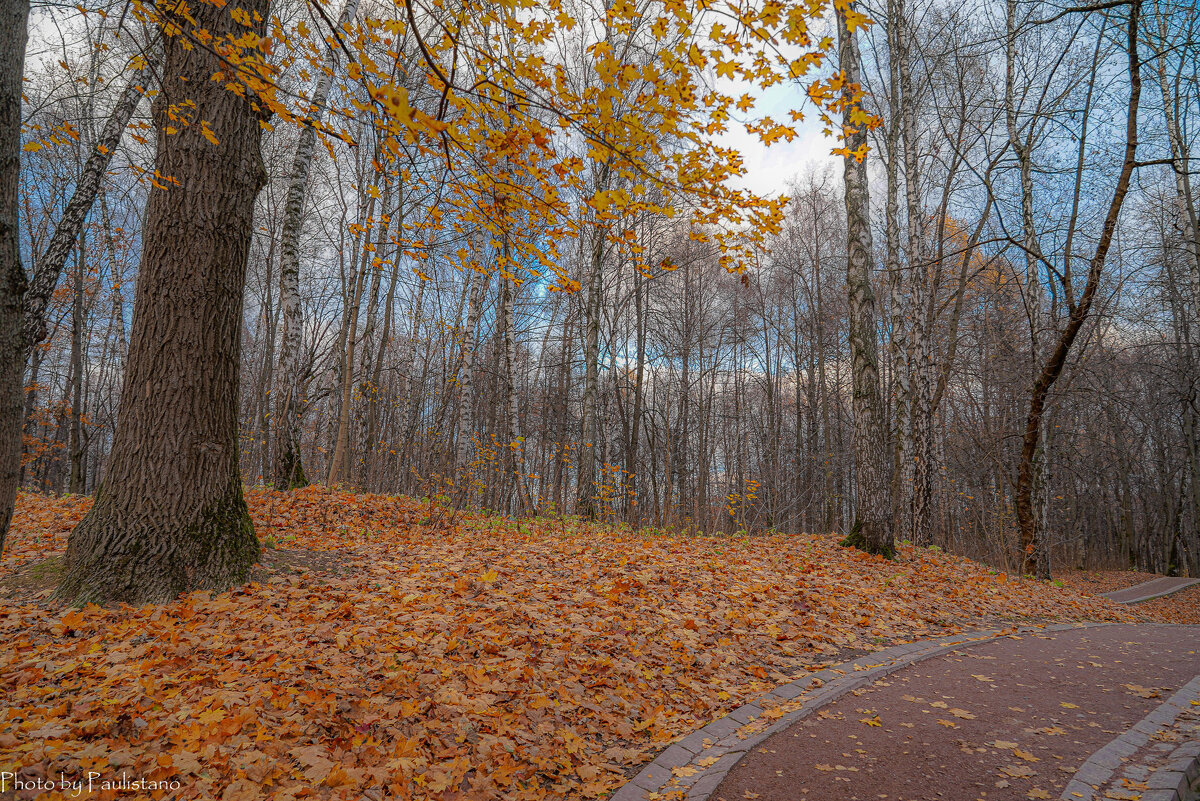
1007	720
1149	590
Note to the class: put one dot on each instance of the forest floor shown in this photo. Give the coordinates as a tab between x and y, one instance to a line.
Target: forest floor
392	647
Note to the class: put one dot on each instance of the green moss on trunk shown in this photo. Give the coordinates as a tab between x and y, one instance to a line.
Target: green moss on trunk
856	539
114	557
292	475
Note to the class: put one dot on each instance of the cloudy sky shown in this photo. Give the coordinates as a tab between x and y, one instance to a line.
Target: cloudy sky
768	170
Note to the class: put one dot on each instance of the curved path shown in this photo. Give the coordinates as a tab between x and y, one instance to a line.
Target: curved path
1149	590
1067	712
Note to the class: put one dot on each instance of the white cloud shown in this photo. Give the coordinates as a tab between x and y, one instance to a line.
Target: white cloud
769	169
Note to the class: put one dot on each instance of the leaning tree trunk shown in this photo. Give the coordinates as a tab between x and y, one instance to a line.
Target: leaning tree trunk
14	16
169	516
288	469
1035	557
50	266
871	530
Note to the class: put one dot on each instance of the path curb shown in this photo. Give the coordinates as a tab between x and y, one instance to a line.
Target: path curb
722	743
1178	780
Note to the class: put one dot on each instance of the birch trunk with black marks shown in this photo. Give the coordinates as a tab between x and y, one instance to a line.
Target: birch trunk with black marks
918	347
75	446
871	530
466	382
899	300
169	516
288	467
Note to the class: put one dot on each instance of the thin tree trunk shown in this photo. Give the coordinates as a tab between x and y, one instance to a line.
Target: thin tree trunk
169	516
1035	558
466	381
339	469
75	484
288	468
585	499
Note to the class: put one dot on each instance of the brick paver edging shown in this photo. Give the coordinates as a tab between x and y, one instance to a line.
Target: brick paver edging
1176	781
691	768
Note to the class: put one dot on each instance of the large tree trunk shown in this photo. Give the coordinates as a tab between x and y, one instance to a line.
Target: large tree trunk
14	16
1035	557
169	516
872	530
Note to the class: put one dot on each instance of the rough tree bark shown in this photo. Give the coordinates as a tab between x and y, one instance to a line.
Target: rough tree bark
872	530
899	299
169	516
1034	558
919	355
14	17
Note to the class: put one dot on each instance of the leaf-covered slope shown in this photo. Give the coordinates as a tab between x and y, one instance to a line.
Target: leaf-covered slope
480	659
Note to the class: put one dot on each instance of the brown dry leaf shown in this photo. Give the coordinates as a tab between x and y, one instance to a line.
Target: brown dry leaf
1025	755
241	790
1004	744
1142	692
1038	793
962	713
949	724
1118	794
1018	771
